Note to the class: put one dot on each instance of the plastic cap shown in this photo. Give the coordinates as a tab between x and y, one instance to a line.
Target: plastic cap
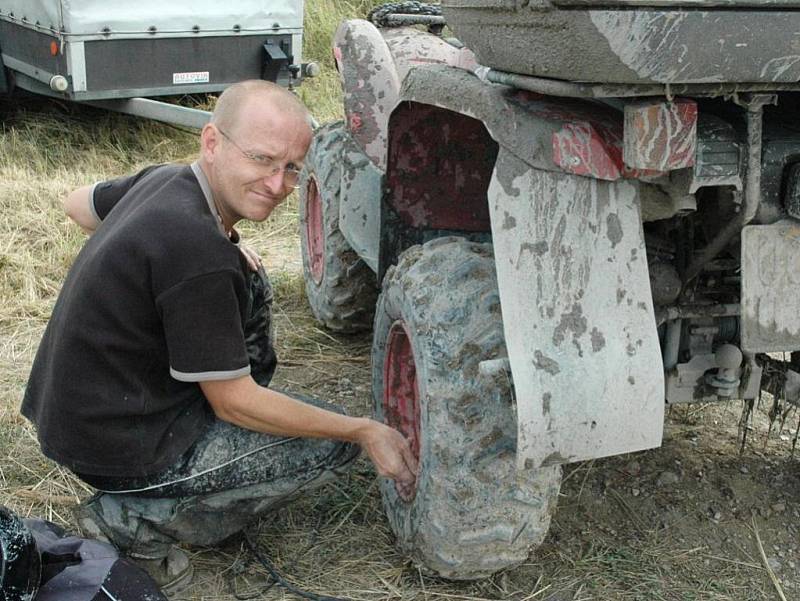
59	83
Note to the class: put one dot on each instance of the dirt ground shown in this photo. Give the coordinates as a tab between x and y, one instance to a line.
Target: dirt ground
686	521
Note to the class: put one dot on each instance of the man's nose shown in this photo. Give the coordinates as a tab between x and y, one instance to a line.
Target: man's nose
275	182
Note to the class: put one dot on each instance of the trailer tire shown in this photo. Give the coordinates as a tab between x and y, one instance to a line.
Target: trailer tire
437	318
340	287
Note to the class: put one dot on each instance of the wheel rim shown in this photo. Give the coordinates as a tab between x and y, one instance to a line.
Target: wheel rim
400	390
315	239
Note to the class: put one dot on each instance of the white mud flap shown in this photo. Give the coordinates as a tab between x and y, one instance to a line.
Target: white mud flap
771	287
577	313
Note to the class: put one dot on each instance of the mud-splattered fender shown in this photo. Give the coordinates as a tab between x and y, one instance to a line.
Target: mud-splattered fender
372	64
578	314
359	202
554	134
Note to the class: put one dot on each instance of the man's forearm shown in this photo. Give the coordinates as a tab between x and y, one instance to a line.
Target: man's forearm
76	206
248	405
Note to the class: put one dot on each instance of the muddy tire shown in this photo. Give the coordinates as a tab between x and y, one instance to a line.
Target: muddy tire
437	318
341	288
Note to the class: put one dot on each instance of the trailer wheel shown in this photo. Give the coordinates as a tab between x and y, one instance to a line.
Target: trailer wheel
437	318
341	288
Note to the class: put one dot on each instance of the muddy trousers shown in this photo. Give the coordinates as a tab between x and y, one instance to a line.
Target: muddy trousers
227	479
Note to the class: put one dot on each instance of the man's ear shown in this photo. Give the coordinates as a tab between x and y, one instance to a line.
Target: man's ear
209	142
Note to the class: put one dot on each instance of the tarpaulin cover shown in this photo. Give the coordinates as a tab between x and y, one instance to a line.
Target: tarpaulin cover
90	17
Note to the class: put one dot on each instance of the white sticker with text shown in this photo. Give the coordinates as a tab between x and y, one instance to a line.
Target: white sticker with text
190	77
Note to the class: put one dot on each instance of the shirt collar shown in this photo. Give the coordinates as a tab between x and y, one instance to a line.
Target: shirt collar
206	188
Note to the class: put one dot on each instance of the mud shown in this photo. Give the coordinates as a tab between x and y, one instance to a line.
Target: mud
627	45
509	222
545	363
598	340
574	322
537	249
614	229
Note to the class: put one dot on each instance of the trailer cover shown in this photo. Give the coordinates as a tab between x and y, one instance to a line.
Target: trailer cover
100	18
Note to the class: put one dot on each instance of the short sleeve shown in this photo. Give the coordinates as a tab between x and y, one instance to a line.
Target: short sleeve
202	319
105	195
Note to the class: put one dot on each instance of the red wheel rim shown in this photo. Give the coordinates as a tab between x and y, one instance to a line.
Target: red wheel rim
400	390
315	239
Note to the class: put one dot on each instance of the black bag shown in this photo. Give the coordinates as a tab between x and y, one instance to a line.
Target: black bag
39	561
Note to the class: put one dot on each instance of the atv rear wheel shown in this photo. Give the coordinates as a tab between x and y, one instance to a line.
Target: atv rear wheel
437	319
341	288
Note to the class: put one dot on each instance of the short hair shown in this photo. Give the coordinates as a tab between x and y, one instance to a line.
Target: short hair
228	107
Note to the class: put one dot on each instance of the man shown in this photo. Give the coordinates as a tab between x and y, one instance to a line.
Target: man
150	381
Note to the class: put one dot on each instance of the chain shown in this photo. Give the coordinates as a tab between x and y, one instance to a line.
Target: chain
379	15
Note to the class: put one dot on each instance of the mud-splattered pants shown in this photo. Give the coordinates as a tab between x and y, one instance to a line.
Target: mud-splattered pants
227	479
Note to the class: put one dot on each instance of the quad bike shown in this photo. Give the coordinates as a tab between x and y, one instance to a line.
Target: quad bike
570	216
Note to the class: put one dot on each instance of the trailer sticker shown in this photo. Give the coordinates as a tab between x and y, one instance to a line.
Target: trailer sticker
190	77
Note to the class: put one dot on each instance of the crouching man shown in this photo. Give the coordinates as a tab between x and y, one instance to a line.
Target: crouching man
151	379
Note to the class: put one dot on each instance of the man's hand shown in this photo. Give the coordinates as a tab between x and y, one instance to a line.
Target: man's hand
392	456
252	257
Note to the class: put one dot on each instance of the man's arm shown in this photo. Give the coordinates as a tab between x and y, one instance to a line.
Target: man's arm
76	206
243	402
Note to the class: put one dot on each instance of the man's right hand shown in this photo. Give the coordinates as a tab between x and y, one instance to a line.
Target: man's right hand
391	454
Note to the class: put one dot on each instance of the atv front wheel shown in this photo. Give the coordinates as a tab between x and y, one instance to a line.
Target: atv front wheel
341	288
437	319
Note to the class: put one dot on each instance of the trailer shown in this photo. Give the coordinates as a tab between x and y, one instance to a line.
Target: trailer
120	55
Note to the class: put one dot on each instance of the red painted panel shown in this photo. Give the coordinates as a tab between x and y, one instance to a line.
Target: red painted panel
439	168
588	136
578	148
660	134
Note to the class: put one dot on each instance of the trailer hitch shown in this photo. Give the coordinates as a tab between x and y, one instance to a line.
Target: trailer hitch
278	66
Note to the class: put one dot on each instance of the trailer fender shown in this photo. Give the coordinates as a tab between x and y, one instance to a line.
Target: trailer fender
578	314
372	63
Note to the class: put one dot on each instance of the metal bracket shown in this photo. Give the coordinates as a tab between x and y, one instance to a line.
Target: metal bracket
156	110
276	64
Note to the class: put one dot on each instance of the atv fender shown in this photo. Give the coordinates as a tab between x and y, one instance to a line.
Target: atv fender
571	265
569	135
372	64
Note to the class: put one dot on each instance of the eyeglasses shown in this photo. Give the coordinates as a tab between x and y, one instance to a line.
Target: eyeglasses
291	175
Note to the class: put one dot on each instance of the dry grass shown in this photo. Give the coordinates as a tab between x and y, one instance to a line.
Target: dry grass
605	543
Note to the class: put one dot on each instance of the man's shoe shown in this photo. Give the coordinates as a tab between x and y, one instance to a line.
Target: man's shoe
172	573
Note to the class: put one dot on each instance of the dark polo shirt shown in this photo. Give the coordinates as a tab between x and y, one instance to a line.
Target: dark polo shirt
154	303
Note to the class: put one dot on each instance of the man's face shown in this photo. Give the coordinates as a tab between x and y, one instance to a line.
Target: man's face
250	165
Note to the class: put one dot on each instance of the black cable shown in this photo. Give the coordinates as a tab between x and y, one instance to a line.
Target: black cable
248	597
279	580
